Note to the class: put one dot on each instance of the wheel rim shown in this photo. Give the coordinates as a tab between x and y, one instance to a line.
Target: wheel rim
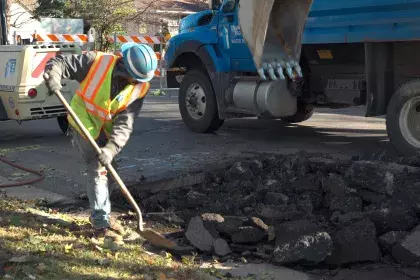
196	101
410	121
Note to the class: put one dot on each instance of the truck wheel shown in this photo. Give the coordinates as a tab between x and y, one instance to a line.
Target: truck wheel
197	103
304	113
63	123
403	118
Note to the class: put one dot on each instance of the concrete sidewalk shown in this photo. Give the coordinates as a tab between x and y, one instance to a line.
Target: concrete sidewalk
28	192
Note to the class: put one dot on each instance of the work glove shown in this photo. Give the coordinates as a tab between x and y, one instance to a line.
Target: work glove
53	83
107	154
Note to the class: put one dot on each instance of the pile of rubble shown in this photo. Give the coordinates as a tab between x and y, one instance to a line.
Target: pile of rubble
303	208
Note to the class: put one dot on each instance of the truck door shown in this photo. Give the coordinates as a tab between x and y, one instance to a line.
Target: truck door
230	37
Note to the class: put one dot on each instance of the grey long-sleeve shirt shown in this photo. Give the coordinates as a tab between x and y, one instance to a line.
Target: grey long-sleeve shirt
76	67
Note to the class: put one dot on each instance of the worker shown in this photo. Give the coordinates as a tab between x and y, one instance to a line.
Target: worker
108	101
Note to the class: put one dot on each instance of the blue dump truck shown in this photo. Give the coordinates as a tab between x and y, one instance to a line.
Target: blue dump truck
244	58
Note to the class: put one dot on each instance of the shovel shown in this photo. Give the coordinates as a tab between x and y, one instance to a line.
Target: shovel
150	235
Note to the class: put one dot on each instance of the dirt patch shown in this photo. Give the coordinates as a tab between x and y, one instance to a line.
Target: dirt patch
307	209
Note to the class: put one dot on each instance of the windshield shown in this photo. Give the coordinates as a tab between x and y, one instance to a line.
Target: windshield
229	6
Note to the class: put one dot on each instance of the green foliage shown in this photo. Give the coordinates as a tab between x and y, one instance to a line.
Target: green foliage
50	8
106	16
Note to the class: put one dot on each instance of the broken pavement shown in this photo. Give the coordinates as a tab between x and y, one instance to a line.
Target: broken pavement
301	209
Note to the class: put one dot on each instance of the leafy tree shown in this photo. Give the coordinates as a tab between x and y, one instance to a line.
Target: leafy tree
106	16
50	8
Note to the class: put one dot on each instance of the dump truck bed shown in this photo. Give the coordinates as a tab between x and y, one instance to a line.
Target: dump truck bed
354	21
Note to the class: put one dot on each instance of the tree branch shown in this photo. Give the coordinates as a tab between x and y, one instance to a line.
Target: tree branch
122	3
19	13
144	10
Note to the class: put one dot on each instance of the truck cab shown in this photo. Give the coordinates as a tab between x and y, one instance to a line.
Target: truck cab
218	28
211	64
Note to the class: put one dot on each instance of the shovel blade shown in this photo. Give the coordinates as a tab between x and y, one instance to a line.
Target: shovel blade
157	239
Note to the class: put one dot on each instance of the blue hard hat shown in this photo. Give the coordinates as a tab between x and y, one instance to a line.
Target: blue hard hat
140	61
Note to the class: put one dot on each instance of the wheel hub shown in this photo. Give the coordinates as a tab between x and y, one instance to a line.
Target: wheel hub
410	121
196	101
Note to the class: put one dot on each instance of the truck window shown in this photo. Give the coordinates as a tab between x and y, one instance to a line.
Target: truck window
229	7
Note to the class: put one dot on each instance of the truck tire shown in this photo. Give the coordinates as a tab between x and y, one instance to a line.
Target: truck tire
197	103
304	113
63	123
403	118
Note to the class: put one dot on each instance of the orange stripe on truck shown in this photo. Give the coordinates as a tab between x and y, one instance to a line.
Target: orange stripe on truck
41	66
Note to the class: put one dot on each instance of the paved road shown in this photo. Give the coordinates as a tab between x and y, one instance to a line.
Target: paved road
161	146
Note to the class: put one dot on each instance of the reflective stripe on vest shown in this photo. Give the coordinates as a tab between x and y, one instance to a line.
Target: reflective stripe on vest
92	109
129	95
99	73
139	91
92	102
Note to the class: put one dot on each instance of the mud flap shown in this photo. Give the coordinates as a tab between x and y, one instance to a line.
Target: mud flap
3	113
379	77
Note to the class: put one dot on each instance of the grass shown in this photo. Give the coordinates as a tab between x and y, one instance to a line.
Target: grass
38	243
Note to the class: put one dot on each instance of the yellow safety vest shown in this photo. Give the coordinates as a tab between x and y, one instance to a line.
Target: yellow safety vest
92	102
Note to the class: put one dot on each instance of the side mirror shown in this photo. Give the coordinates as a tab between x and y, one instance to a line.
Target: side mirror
229	6
214	4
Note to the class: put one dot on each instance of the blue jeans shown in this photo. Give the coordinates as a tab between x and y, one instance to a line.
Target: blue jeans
96	180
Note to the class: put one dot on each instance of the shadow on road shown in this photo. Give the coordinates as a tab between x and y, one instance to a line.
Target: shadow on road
161	145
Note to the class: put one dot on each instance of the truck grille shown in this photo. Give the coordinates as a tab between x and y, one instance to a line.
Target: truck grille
48	112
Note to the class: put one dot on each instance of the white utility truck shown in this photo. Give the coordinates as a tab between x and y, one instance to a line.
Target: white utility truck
23	94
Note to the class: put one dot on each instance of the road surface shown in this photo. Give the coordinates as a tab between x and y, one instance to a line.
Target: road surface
162	147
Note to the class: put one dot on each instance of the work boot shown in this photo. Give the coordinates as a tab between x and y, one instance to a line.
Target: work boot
115	230
116	226
107	233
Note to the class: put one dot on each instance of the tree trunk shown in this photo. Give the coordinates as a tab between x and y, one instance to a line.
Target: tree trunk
101	40
8	15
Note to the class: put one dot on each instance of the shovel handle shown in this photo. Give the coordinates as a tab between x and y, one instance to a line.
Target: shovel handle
110	168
